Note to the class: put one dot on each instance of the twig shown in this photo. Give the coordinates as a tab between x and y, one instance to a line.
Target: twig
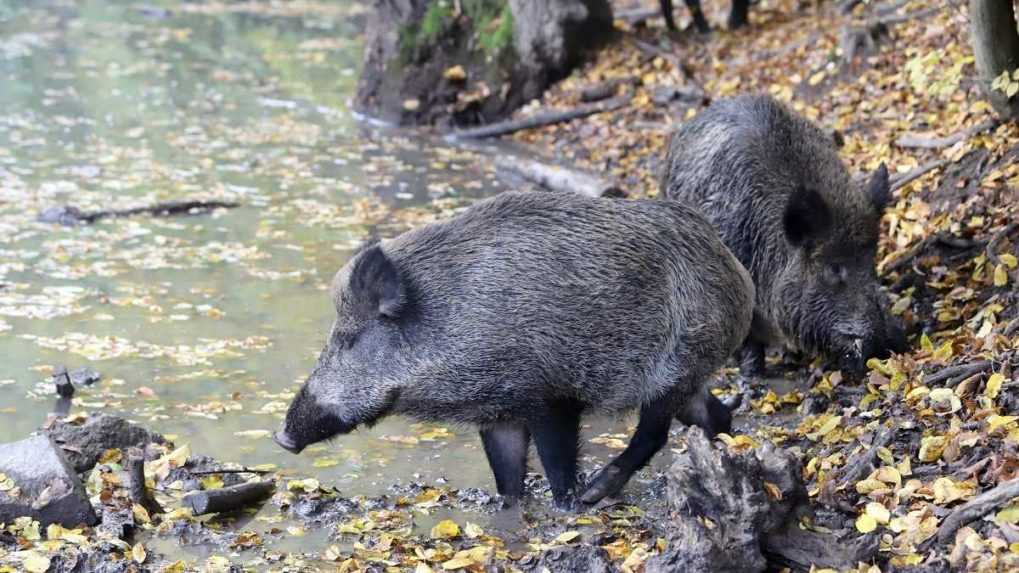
910	176
921	246
992	245
977	507
227	498
69	216
912	140
637	15
231	471
957	373
541	119
1011	327
138	492
857	466
559	178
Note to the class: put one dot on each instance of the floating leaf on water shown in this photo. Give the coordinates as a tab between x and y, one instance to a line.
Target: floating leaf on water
138	553
253	434
35	563
567	536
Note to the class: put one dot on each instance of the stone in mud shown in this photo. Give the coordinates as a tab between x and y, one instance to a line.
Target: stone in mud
40	483
84	444
722	505
570	558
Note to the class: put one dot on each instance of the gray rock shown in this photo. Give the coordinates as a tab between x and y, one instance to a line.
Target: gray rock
84	444
46	488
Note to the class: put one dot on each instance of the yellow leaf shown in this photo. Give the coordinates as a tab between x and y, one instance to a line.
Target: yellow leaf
1000	276
457	563
925	343
445	529
422	568
411	104
931	448
1009	259
994	385
944	352
567	536
35	563
1008	515
817	78
773	491
455	73
878	511
865	523
473	530
138	553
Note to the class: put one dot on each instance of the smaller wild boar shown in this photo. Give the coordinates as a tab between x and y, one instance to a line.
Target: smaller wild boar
773	185
524	312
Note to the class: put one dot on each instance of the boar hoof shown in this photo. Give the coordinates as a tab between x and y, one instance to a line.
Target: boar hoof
607	482
565	503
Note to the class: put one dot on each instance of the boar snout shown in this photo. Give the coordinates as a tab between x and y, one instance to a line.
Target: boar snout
286	441
308	423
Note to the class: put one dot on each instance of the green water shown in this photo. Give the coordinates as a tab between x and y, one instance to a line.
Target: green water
203	326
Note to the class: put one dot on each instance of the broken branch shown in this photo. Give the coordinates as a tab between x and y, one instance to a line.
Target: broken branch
912	140
540	119
977	507
957	373
559	178
910	176
227	499
137	490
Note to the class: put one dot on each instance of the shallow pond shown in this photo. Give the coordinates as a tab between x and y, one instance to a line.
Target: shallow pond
203	326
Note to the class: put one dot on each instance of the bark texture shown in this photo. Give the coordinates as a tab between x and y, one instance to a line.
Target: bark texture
996	47
460	63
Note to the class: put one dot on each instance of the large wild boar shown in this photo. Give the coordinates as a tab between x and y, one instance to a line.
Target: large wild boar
524	312
773	185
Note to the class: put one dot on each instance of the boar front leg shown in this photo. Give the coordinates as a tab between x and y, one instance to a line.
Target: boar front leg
651	435
506	448
556	432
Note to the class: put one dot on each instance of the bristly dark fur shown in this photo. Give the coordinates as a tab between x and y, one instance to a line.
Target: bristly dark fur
527	310
773	185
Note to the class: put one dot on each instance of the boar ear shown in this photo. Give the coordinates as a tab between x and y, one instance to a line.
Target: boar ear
807	217
375	283
879	188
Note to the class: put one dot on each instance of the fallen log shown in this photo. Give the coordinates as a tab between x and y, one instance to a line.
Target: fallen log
976	508
540	119
70	216
227	499
559	178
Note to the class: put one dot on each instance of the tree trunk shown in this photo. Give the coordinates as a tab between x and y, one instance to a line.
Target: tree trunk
996	47
461	63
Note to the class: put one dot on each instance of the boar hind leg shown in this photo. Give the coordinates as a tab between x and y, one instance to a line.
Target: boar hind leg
751	359
555	436
651	435
738	14
506	448
708	412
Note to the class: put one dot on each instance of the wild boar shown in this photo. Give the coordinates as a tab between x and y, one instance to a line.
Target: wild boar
521	314
774	187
